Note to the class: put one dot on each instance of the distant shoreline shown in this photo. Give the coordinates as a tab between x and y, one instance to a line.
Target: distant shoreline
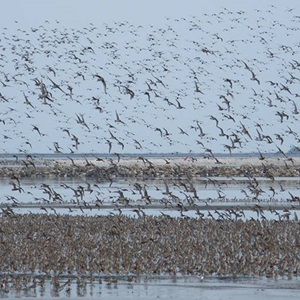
106	169
4	156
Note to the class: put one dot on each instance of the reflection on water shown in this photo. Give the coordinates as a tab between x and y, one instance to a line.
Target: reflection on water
210	212
133	287
202	189
156	197
212	192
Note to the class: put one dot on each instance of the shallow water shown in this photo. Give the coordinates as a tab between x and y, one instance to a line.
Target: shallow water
212	188
213	194
161	288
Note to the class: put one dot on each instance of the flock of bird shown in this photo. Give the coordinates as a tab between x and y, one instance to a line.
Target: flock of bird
225	83
165	183
220	83
93	248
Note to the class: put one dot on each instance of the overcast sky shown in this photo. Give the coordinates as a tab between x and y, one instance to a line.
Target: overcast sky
230	50
78	11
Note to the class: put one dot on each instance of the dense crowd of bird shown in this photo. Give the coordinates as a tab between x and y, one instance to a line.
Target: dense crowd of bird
226	82
220	83
119	245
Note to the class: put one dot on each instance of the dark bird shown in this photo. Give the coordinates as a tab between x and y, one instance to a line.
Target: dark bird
282	115
229	81
182	131
56	86
100	78
128	91
36	129
27	101
118	120
281	151
254	78
80	120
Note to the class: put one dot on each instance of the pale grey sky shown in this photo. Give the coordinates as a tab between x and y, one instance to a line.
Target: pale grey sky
80	12
240	54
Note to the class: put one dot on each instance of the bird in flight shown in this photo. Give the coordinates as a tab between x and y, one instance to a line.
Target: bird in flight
100	78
